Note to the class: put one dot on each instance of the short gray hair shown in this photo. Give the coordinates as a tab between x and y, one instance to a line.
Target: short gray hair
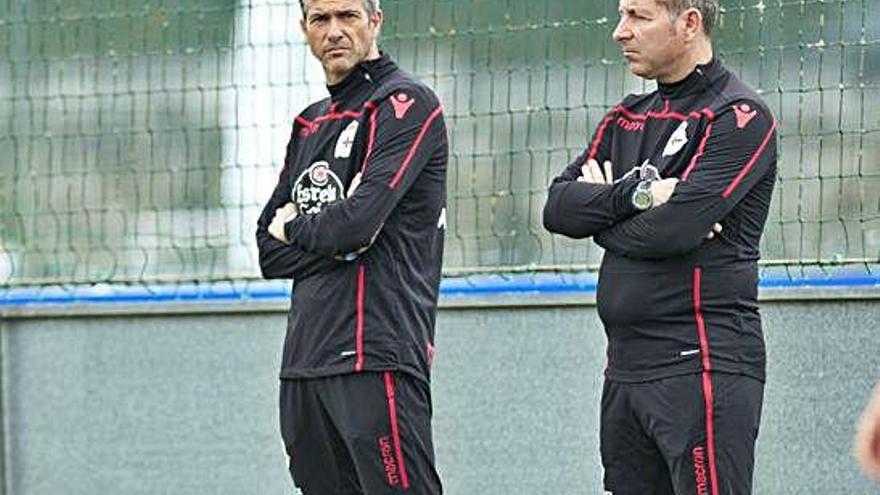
708	8
370	5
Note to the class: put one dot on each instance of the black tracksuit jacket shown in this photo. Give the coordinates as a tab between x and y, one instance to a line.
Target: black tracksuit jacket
374	310
673	302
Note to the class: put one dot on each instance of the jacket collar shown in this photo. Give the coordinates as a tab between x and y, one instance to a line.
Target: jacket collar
697	81
366	72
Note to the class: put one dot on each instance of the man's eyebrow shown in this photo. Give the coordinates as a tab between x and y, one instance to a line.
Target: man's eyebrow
334	12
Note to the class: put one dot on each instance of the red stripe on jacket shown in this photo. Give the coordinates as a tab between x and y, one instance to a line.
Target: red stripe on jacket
371	138
594	148
412	151
699	153
751	163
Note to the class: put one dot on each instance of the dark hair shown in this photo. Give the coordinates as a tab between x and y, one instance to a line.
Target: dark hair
708	8
370	5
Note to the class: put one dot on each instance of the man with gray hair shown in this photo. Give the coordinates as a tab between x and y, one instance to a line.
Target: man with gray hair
370	6
707	8
357	220
679	203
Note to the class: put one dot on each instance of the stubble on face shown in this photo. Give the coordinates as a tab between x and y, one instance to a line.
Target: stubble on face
649	39
341	34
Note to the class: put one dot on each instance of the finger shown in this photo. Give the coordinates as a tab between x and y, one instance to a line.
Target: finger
273	231
717	228
867	448
609	177
286	213
595	172
586	175
355	182
867	441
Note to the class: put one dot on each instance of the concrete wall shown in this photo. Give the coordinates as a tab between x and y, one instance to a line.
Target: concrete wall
186	404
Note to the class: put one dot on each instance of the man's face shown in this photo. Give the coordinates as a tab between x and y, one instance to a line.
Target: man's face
652	42
341	34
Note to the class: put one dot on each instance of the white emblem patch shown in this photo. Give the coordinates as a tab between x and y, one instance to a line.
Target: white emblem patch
677	141
316	187
346	139
441	222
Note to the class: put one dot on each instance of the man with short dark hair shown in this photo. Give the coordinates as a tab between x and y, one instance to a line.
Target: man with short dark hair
679	203
357	221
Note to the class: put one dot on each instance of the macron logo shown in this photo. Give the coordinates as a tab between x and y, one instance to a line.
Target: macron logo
392	474
700	471
744	115
402	103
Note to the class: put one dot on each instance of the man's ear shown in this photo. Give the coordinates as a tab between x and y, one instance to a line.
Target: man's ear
692	23
376	19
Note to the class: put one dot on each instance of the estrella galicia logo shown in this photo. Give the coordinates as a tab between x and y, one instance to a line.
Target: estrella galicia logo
316	187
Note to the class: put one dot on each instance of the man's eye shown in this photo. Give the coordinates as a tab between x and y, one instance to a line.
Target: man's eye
631	15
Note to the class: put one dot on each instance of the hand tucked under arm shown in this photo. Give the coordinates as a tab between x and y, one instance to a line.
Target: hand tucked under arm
403	148
735	161
585	199
279	260
282	215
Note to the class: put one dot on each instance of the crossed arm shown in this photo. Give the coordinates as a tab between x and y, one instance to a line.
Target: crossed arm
278	259
400	147
582	201
661	190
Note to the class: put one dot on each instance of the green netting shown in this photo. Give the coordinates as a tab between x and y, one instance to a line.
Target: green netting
138	139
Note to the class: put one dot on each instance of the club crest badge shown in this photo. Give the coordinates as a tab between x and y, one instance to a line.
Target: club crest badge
677	141
316	187
346	140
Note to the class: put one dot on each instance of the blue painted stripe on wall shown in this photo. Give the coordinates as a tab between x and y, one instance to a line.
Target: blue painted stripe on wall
488	285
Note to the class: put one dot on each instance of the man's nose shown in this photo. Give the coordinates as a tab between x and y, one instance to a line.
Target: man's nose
622	32
334	30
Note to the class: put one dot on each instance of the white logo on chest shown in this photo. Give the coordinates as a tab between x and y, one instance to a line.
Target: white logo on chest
316	187
346	140
677	141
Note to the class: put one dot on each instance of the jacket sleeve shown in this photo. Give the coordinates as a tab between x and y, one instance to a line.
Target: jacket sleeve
739	150
405	131
580	209
277	259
